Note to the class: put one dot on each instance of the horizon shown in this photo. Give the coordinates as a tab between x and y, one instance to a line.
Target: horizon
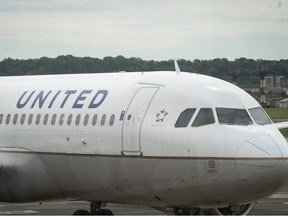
177	59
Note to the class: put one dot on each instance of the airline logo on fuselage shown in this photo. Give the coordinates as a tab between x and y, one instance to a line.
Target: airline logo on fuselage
78	98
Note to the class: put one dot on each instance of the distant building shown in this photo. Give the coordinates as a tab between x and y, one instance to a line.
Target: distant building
274	102
280	81
269	82
283	103
272	82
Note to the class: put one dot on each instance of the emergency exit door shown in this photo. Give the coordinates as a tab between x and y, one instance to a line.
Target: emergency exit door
135	114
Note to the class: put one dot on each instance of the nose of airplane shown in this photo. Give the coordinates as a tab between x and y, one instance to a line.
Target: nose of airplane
261	166
262	146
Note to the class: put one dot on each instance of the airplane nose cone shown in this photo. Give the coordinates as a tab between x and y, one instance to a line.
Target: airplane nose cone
261	167
260	147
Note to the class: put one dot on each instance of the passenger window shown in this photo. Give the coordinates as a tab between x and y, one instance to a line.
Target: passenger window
204	117
53	119
1	118
23	119
112	118
8	118
86	119
94	120
38	119
184	118
69	120
30	119
103	119
78	119
233	116
61	120
15	119
45	119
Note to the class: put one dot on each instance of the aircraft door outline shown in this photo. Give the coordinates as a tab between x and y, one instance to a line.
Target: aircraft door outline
135	114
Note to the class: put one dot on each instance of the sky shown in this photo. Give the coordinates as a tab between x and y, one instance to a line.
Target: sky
148	29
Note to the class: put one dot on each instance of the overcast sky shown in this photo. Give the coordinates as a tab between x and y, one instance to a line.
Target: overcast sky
149	29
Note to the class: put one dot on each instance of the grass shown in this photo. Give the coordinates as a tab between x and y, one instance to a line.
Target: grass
284	132
278	113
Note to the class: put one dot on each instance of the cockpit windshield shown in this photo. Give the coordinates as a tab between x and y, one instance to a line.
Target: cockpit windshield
259	116
233	116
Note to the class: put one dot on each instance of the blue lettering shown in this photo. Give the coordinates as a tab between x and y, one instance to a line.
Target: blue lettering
40	98
81	98
54	98
21	105
94	103
68	93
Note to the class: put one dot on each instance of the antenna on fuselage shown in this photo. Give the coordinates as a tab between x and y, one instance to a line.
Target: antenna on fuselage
177	69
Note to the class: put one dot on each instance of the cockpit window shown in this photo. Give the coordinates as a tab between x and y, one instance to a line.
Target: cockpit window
204	117
185	117
233	116
259	116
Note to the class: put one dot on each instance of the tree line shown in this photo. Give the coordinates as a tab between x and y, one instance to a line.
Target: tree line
248	69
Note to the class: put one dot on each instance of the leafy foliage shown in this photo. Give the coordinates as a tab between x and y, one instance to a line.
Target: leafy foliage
221	68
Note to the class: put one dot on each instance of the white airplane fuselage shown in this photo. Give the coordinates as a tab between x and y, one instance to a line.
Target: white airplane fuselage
52	146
